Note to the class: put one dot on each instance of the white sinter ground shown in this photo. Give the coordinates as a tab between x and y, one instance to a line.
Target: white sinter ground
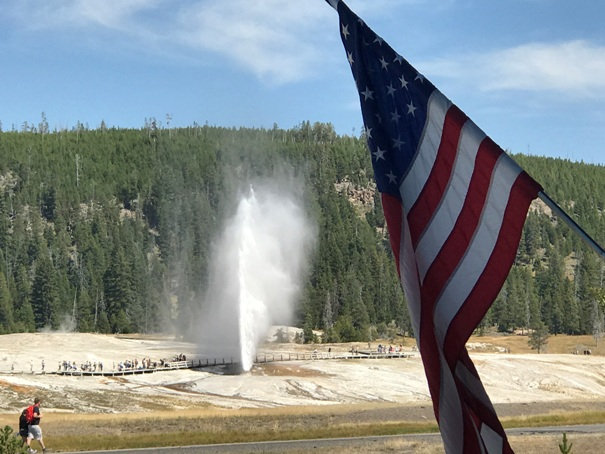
508	378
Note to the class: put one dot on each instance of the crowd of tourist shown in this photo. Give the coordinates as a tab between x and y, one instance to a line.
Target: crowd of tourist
389	349
87	366
128	364
99	367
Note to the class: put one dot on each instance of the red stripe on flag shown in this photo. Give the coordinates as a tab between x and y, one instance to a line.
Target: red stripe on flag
457	243
429	352
436	184
488	285
481	412
446	262
393	212
471	440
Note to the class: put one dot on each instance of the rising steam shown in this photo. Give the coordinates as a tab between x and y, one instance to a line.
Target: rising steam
256	272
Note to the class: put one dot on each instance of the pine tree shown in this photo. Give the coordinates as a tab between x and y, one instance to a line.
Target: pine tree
44	293
538	338
118	292
6	307
24	313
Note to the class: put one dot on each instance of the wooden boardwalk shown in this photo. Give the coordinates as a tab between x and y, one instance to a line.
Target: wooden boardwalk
261	358
311	356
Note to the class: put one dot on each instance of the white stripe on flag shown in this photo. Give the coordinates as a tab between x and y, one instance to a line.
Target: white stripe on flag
445	217
451	423
492	439
473	385
420	169
479	251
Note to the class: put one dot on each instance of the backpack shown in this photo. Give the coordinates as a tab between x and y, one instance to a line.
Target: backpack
23	421
29	414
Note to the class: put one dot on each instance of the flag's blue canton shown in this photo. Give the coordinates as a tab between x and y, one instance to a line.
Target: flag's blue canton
394	98
455	205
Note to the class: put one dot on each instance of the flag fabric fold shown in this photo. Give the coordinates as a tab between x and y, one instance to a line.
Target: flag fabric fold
455	205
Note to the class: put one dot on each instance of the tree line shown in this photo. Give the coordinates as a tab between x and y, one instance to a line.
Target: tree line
110	230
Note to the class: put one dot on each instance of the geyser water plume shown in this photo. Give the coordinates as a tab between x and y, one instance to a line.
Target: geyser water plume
256	271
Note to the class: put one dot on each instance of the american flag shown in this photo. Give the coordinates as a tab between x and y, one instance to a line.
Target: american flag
455	205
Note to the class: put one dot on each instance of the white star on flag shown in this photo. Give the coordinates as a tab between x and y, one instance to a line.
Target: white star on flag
454	204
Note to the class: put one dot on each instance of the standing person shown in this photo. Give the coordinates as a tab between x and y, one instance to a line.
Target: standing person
35	432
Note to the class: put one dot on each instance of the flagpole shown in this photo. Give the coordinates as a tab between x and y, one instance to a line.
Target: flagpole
572	224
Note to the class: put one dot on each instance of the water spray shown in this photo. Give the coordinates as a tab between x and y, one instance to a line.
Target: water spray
257	269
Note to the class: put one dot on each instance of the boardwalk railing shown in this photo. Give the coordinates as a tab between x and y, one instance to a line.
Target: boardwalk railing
170	365
206	362
306	356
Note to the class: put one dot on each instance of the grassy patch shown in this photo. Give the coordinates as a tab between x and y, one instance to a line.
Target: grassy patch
182	438
91	432
560	344
559	419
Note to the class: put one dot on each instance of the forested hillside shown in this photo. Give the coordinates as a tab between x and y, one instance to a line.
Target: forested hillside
110	230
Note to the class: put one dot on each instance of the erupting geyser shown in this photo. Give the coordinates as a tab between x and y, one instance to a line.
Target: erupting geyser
255	276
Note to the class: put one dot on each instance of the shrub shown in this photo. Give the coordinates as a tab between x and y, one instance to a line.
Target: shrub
9	443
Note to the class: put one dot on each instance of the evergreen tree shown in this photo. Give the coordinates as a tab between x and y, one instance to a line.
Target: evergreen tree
6	307
538	338
118	292
44	298
110	227
308	334
24	314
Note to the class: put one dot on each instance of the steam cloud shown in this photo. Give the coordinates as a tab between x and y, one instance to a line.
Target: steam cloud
256	272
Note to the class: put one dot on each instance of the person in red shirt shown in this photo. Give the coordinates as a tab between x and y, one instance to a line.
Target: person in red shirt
34	430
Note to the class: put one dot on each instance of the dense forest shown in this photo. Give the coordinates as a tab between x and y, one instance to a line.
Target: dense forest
110	230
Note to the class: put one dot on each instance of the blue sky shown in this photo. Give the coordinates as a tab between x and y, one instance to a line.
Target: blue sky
530	73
